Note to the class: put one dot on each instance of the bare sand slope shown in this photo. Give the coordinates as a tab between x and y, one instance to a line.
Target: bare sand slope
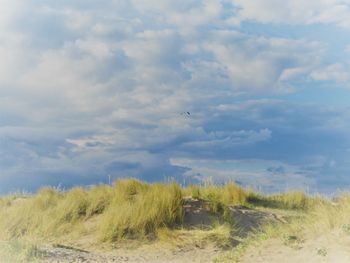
331	248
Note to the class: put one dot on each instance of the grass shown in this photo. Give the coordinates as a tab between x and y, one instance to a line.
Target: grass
295	200
128	209
229	194
316	217
18	252
134	210
138	210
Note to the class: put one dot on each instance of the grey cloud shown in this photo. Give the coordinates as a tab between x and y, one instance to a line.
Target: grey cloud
90	88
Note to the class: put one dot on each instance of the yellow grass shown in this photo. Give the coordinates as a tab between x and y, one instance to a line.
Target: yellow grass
139	209
131	209
128	209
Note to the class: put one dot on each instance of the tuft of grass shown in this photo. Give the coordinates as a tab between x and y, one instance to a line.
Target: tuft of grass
229	194
192	191
73	206
99	198
139	209
129	209
219	197
295	200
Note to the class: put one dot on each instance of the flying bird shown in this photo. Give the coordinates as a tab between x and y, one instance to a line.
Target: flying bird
186	113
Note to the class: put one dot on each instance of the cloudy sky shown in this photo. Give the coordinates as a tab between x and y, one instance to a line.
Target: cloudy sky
92	89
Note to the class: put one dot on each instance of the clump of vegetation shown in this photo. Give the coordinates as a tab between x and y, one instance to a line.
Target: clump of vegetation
130	208
219	197
98	199
139	209
315	216
228	194
296	200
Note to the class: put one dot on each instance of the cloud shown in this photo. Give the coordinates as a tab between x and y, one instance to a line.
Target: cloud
296	12
334	72
259	63
93	89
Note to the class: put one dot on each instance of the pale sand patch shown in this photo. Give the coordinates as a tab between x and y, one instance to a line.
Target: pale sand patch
330	248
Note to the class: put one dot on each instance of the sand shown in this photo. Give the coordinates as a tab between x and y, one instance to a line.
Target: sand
330	248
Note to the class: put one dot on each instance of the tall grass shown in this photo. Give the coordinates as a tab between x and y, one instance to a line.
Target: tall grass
219	197
231	194
128	209
139	209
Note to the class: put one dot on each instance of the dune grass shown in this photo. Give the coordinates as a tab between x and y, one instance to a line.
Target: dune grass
228	194
296	200
128	209
231	194
134	210
317	217
138	209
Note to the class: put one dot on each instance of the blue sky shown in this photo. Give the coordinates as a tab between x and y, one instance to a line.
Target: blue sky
91	89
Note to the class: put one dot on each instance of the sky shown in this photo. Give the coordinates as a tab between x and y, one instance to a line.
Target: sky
251	91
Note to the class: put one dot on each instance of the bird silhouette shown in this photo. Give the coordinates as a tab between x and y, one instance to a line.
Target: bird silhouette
186	113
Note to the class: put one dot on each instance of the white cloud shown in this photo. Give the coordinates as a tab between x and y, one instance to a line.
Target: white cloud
257	63
334	72
296	11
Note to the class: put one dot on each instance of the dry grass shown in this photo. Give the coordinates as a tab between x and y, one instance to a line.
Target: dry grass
219	197
316	217
128	209
139	209
131	209
228	194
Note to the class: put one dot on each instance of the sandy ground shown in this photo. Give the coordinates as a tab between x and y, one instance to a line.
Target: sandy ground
331	248
62	255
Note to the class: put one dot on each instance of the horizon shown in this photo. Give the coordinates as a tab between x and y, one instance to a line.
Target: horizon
255	92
